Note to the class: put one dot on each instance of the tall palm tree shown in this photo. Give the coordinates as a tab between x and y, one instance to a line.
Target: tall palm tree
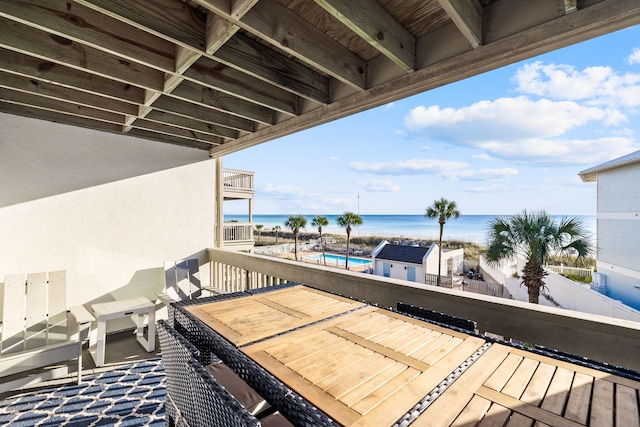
535	236
320	221
443	210
295	223
346	220
276	229
259	228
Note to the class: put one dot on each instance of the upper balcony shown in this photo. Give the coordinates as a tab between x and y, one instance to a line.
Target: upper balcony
237	184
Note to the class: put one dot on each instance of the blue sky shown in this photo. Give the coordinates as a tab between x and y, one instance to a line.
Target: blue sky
510	139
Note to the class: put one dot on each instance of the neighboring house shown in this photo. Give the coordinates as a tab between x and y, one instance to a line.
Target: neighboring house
412	263
618	227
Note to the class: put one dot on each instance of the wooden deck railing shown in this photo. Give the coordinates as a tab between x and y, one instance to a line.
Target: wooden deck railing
598	337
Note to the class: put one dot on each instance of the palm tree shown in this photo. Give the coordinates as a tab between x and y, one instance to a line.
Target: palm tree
259	228
535	236
444	210
295	223
276	229
320	221
346	220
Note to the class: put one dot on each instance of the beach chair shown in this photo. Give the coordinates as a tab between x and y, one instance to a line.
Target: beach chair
39	332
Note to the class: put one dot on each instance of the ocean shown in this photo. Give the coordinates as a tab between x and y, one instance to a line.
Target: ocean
470	228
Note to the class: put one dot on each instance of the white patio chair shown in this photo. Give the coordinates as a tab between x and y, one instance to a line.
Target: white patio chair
38	331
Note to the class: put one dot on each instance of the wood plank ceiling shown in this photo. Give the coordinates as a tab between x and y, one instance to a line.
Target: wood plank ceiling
223	75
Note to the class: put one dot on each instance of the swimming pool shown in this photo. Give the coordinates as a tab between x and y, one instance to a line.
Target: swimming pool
336	259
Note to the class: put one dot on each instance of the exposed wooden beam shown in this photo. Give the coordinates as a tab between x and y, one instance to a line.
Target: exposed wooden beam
73	120
64	94
233	82
81	24
60	50
187	109
374	24
278	25
56	105
598	19
262	63
44	70
210	98
196	125
176	22
467	15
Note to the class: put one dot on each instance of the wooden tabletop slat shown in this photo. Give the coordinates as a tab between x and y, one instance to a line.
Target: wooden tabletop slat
447	406
377	380
520	378
602	410
579	398
496	416
442	350
249	319
529	411
519	420
558	391
627	406
474	411
400	357
500	377
537	387
359	374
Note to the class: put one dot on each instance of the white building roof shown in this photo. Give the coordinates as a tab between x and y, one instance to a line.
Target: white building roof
590	175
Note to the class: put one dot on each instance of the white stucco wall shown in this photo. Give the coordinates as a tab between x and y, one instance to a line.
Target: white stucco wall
109	209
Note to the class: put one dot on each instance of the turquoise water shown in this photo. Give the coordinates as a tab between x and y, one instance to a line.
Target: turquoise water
336	259
470	228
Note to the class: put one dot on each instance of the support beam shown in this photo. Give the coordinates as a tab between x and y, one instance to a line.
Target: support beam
374	24
467	15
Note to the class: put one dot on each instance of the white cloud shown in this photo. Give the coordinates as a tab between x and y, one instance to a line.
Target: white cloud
280	191
482	174
456	171
561	152
483	156
408	167
379	186
594	85
334	158
501	119
634	58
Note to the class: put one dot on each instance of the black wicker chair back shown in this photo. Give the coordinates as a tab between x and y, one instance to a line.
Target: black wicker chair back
434	316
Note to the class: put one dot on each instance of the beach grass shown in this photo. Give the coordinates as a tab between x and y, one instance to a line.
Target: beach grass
472	251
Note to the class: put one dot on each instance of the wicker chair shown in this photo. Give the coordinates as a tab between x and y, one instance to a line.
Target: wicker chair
194	396
437	317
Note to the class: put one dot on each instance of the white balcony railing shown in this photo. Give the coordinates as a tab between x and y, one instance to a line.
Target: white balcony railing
598	337
238	232
236	180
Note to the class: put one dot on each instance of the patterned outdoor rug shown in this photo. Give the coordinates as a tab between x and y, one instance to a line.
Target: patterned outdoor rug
131	395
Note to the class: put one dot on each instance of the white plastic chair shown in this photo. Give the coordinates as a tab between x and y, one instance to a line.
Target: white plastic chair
38	331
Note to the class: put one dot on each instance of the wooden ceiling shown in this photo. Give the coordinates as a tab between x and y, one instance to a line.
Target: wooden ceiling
223	75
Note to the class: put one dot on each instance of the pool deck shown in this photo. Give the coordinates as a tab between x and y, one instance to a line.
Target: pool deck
302	254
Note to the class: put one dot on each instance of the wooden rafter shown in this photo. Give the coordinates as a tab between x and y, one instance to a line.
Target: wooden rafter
224	75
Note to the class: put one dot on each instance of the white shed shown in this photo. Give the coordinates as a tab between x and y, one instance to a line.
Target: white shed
412	263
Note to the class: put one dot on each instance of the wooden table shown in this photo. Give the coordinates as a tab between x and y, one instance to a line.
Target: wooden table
362	365
248	319
367	366
508	384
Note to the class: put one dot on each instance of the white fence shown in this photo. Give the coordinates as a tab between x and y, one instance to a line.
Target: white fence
567	293
585	273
